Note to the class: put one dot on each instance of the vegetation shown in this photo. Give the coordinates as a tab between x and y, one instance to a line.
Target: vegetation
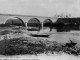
28	45
4	32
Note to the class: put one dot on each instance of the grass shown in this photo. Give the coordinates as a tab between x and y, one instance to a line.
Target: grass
8	31
19	46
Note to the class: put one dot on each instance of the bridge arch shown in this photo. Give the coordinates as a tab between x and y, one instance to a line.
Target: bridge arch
34	24
47	23
15	21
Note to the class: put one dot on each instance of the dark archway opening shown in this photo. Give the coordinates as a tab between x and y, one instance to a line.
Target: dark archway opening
33	25
48	24
16	21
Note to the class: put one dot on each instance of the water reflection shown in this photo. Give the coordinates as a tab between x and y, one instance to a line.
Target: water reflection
66	28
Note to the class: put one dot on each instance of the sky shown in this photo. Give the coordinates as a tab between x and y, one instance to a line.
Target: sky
40	7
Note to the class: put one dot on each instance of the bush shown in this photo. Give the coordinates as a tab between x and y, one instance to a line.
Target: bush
22	45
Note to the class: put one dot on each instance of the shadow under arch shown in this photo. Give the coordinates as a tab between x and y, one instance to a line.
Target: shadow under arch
48	24
15	21
34	25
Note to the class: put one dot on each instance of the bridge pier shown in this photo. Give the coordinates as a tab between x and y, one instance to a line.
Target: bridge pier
42	25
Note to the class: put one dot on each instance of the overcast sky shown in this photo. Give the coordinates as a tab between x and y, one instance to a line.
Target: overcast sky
40	7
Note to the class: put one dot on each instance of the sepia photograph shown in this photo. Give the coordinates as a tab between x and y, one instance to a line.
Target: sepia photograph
39	29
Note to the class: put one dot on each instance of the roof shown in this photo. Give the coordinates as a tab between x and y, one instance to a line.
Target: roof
67	20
